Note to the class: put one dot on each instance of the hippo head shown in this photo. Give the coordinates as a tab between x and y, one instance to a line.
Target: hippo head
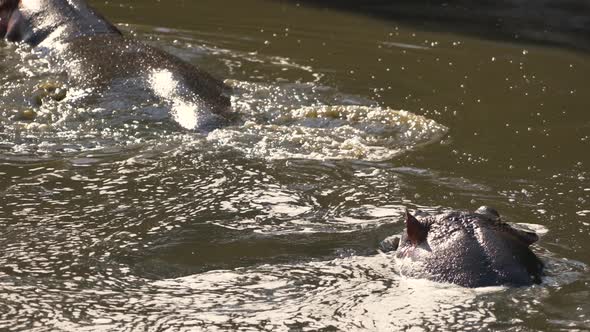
34	21
469	249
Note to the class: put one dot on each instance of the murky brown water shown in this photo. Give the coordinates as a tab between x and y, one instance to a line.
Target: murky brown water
119	219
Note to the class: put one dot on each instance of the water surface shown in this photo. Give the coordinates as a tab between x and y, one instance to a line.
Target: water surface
115	217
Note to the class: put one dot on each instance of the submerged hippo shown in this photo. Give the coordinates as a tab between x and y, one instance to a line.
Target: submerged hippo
468	249
94	53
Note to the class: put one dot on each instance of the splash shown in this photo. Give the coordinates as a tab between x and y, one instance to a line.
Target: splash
332	132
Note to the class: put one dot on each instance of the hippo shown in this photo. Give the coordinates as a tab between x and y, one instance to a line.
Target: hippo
94	53
469	249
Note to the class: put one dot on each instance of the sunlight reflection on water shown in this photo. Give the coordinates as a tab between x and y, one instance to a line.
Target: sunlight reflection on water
116	218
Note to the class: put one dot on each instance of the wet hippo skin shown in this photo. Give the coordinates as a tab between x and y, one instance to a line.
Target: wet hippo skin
471	249
95	53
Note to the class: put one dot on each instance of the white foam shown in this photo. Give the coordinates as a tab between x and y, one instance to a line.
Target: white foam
331	132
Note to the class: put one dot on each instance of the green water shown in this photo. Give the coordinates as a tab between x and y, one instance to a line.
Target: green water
132	223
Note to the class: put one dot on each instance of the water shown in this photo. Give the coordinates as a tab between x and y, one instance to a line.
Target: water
115	217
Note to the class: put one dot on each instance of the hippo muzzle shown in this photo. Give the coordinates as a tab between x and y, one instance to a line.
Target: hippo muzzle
33	21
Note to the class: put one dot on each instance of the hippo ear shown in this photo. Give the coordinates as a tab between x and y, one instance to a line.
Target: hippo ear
416	231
